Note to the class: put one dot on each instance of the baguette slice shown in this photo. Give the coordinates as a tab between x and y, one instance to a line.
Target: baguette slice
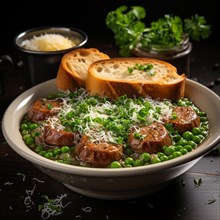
73	68
112	78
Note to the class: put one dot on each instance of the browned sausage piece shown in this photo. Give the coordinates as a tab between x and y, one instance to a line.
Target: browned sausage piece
98	154
186	119
55	137
42	109
155	136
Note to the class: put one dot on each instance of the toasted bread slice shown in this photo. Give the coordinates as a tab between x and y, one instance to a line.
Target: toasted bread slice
73	69
135	77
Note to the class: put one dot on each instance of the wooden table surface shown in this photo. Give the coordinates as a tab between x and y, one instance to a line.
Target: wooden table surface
23	187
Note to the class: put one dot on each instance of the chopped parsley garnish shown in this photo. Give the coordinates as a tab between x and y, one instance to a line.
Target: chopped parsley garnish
52	207
148	69
105	120
49	106
138	136
197	182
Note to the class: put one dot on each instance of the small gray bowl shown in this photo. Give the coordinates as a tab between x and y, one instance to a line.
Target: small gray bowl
39	66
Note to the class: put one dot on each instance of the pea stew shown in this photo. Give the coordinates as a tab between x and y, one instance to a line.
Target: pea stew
78	129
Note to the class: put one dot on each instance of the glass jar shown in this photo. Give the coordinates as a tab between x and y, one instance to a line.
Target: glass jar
178	56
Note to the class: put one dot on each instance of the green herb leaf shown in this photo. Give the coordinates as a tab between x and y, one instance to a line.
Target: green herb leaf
148	68
197	182
196	27
127	27
130	30
49	106
138	136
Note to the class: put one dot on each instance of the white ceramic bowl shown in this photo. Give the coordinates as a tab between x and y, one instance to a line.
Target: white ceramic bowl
124	183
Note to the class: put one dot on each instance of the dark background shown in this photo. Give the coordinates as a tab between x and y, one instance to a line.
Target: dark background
90	15
175	202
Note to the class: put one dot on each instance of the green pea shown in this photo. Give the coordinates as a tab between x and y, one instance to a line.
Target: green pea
48	154
115	164
188	147
129	161
24	126
196	131
35	133
197	139
192	143
178	147
205	123
182	142
145	156
56	151
204	133
42	152
183	151
38	148
65	149
163	158
138	162
181	103
160	154
203	119
155	160
169	150
170	157
26	136
188	135
24	132
33	126
128	165
176	137
205	127
177	154
201	113
188	103
29	141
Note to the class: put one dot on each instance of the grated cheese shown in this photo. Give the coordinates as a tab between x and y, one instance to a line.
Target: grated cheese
90	121
53	207
48	42
28	202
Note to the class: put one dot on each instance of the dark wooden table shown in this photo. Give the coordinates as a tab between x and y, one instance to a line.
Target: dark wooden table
23	187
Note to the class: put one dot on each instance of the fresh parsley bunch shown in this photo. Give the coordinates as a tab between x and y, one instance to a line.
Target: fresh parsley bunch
167	32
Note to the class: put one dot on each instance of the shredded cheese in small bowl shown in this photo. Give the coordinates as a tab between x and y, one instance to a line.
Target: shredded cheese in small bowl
48	42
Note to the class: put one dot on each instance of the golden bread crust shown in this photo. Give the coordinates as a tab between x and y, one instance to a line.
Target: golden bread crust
111	78
73	68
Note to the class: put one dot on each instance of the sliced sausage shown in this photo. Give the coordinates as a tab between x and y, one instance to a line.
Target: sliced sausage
98	154
56	137
41	109
154	137
185	119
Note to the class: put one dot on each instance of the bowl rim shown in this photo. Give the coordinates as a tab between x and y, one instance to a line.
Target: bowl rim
75	30
28	154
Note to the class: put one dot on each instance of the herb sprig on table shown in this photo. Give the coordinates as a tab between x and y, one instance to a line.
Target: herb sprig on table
130	29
